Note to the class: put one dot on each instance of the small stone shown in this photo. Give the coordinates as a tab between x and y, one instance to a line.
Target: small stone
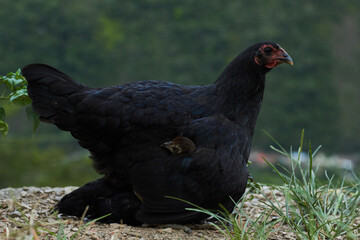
39	191
58	191
166	230
24	205
67	190
48	190
9	203
114	225
135	234
15	214
42	196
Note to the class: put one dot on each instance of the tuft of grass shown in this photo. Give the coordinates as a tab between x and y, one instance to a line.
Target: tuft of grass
239	225
312	210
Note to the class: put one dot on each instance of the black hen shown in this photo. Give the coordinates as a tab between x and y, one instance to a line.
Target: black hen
124	127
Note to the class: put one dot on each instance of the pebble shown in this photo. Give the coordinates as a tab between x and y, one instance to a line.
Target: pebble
9	204
205	237
15	214
39	191
58	191
135	234
24	205
48	190
67	190
166	230
114	225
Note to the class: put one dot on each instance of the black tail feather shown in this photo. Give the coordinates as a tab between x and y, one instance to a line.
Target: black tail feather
49	90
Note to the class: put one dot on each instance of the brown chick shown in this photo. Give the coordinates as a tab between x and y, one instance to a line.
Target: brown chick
180	145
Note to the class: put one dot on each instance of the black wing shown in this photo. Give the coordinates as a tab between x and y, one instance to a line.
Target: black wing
101	118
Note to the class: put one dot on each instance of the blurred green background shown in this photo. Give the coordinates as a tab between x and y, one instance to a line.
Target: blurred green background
109	42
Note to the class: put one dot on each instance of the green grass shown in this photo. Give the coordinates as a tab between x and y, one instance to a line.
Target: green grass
312	209
239	225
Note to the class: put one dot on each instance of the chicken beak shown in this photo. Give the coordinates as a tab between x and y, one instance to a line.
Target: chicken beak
168	145
165	144
283	57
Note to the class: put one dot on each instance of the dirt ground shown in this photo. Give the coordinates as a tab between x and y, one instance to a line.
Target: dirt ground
25	212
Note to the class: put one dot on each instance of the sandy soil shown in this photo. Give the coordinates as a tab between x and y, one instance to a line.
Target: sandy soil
25	212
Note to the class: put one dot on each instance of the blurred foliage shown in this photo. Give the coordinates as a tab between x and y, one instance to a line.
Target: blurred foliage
13	87
28	162
108	42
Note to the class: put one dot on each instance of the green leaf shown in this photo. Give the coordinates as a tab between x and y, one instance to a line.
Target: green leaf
20	97
4	128
15	84
33	117
11	81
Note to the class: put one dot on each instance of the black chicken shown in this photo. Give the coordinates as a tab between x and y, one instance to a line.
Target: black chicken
124	127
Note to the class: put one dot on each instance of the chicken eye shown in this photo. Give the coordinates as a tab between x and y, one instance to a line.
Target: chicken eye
268	51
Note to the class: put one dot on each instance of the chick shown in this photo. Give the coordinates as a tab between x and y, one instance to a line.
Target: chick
180	146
